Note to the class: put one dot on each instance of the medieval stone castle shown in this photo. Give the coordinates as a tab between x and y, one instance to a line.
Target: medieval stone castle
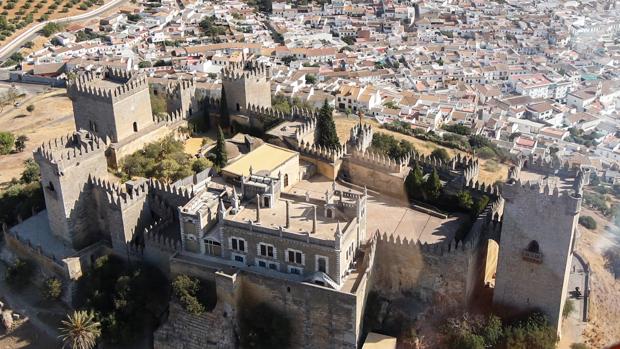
290	223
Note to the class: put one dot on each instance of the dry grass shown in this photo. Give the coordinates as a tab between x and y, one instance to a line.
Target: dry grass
602	330
490	170
52	117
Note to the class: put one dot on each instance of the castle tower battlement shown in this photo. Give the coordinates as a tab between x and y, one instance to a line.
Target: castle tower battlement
67	151
543	191
246	70
90	85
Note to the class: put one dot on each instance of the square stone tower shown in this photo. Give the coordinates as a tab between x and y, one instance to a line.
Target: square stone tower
66	164
247	84
536	245
113	105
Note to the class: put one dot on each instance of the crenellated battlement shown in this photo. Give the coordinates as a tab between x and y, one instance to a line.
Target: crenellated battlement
175	87
120	198
331	155
171	118
545	166
91	85
544	190
482	188
156	185
360	137
155	236
69	150
246	70
103	184
307	128
381	161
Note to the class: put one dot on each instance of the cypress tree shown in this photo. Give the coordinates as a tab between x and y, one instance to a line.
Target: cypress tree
432	186
326	135
413	183
220	158
224	114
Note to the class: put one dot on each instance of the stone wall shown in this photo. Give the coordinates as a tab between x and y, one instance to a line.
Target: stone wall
319	317
392	184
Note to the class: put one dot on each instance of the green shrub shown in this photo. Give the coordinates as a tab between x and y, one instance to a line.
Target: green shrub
193	294
7	141
388	145
578	346
587	222
612	260
533	333
569	308
19	273
441	154
52	288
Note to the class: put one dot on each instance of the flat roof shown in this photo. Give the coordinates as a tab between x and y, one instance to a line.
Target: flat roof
266	157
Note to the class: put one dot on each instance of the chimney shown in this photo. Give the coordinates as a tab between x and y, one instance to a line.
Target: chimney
314	219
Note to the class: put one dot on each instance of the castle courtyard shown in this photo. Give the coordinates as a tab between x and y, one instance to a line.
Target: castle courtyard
390	216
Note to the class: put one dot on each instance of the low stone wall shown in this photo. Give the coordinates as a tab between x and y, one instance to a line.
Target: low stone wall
392	184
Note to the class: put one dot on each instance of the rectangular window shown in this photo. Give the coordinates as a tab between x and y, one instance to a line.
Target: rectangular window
266	250
273	266
237	244
262	264
239	258
296	257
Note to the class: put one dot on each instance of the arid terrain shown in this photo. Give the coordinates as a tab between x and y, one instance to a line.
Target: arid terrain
602	330
52	117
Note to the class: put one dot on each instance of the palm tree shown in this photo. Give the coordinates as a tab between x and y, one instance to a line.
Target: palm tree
80	330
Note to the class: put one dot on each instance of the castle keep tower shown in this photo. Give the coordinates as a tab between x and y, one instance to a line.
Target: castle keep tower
536	244
66	163
113	105
247	83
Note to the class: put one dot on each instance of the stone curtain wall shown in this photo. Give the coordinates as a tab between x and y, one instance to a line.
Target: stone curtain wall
319	317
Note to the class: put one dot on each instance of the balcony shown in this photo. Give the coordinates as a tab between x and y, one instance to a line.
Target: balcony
534	257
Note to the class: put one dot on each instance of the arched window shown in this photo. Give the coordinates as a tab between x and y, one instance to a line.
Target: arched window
285	180
533	247
135	127
238	107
